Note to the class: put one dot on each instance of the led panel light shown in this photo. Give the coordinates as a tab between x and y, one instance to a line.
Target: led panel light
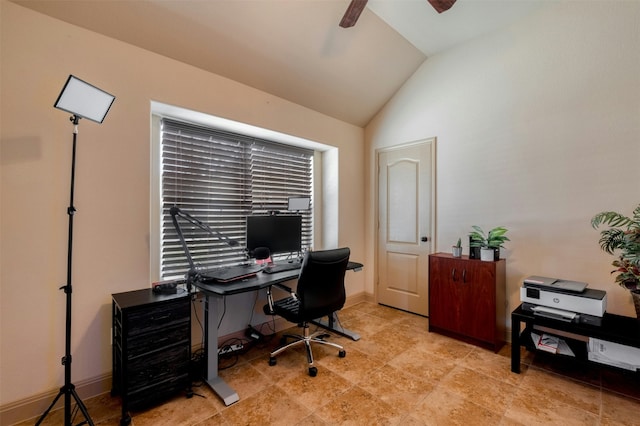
299	203
84	100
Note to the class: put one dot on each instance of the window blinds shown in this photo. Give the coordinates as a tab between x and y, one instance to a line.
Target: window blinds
220	178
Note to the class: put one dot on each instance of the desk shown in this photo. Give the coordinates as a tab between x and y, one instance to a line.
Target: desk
211	319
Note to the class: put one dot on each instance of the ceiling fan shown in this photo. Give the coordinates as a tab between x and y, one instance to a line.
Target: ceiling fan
357	6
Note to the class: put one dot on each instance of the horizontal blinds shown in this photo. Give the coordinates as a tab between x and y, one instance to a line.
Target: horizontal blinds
220	178
277	174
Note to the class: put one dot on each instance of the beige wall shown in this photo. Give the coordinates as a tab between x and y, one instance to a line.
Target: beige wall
111	226
538	129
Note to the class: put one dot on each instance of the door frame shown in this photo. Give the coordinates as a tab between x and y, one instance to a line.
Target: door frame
432	242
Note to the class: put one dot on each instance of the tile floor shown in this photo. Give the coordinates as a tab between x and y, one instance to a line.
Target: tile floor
396	374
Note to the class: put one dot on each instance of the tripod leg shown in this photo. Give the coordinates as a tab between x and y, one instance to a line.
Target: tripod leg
68	391
50	407
81	406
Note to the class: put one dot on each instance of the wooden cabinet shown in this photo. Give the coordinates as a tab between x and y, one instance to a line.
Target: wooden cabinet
151	347
467	299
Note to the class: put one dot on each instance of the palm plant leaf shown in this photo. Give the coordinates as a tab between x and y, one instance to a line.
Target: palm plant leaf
623	234
613	219
611	239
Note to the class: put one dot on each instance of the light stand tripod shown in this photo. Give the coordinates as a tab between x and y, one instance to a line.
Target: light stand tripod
83	100
69	390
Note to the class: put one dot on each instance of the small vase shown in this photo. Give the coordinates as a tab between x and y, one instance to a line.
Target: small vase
456	251
635	294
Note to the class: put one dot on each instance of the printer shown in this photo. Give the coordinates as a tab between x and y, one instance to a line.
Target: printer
563	299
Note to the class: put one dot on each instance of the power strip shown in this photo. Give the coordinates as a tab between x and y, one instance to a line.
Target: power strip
229	349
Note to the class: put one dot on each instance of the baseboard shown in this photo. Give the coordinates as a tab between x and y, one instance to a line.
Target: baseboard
359	298
34	406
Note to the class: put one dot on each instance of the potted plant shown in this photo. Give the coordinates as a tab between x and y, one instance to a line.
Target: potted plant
457	249
489	243
622	238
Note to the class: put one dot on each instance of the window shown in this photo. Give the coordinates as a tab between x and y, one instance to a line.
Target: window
220	178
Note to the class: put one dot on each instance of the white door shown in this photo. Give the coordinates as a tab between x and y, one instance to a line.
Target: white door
406	177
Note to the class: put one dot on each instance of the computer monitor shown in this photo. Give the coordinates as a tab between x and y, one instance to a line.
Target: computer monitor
279	233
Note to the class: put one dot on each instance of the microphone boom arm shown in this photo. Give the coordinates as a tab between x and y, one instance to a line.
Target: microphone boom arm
177	212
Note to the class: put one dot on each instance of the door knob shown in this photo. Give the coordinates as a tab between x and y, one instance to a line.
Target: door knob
424	239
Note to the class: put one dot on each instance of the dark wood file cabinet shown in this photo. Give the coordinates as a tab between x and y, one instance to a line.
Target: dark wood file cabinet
467	299
151	347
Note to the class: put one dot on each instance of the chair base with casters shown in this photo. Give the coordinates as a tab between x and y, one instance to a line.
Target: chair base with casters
306	339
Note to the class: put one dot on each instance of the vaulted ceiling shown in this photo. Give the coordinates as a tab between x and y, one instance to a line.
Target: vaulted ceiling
295	49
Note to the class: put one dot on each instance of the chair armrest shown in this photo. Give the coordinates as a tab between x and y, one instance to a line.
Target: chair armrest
283	287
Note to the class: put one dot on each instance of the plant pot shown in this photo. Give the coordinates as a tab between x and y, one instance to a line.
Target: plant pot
456	251
489	254
635	294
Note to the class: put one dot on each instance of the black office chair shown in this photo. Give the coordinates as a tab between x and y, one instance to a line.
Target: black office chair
320	292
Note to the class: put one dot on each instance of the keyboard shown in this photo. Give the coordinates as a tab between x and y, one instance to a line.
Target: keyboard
282	267
226	274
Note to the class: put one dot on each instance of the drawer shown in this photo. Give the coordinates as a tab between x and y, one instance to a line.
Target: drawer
146	396
151	342
157	317
144	372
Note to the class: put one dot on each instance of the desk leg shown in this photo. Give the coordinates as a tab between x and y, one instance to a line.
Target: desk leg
515	344
219	386
331	326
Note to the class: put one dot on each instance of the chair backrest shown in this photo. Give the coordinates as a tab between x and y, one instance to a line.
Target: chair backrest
321	282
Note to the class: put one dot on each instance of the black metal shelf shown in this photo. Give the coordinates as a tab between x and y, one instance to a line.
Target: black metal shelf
612	328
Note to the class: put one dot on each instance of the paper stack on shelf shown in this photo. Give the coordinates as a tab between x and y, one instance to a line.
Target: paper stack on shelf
564	349
550	343
614	354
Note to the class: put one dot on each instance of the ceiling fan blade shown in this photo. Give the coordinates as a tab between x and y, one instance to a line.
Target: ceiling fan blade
441	5
353	13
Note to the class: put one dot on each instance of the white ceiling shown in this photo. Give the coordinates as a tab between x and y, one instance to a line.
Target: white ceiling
295	49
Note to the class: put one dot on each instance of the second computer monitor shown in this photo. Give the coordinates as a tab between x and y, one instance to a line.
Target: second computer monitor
279	233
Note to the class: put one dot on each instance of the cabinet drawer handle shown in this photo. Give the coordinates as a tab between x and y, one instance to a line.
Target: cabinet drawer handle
464	276
453	274
161	318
